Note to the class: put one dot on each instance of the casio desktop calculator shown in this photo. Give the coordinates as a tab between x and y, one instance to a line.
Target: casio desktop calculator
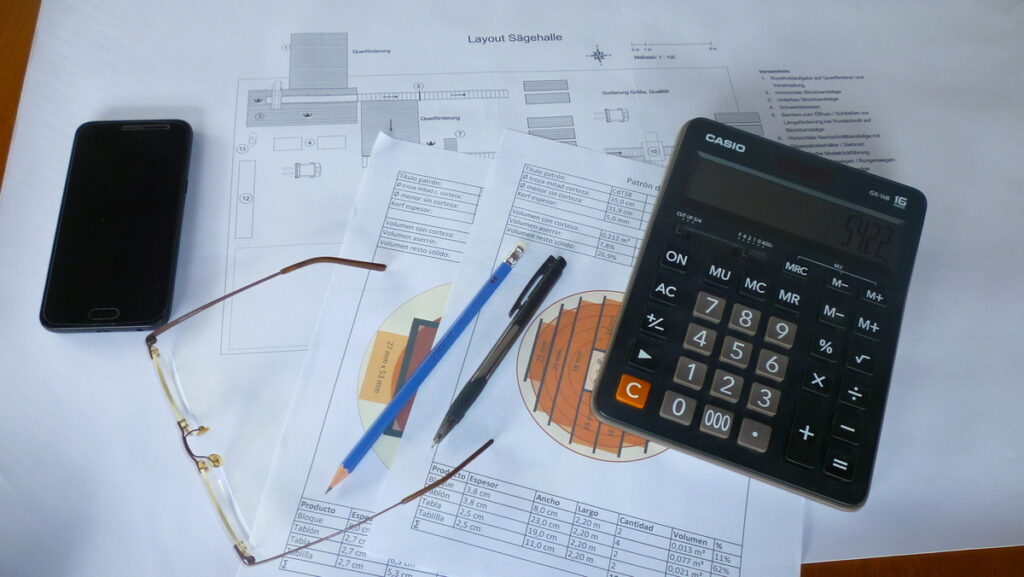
760	324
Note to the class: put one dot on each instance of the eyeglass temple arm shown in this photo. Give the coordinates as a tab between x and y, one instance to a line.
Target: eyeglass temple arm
151	338
249	560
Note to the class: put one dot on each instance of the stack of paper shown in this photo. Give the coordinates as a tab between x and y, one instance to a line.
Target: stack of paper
558	493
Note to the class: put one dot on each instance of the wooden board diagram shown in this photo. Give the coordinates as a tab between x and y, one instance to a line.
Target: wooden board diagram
400	344
558	362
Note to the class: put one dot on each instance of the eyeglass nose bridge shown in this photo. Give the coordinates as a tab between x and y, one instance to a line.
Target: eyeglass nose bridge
202	462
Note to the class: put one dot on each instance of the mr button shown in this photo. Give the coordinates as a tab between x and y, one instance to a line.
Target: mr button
632	391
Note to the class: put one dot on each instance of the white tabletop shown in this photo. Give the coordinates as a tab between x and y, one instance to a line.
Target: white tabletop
92	478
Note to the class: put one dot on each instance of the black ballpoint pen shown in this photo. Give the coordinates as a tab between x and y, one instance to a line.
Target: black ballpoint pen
526	305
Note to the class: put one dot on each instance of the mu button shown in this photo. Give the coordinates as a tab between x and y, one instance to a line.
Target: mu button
632	391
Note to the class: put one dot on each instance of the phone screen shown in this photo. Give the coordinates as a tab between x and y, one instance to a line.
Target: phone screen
115	249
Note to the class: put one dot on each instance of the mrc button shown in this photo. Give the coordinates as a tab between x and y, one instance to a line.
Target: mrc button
796	269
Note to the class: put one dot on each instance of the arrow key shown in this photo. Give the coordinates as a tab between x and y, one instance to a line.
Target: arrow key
643	356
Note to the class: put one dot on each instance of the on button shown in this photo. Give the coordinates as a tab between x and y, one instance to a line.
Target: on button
675	259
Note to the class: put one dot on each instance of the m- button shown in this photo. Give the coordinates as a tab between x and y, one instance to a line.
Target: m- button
632	391
833	314
839	283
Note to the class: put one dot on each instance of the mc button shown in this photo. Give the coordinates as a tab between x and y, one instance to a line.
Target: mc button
754	287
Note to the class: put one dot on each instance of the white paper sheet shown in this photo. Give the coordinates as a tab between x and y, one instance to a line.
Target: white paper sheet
90	450
559	492
303	128
416	207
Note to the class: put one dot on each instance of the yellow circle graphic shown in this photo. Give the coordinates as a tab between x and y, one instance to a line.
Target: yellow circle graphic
400	344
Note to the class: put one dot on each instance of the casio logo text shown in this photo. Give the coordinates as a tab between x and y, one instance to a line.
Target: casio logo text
724	142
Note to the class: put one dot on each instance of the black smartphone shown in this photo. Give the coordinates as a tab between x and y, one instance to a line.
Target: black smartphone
116	245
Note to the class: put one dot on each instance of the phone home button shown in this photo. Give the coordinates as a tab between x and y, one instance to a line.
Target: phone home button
104	314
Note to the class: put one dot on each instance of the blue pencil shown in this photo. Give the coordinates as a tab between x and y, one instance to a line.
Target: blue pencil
366	442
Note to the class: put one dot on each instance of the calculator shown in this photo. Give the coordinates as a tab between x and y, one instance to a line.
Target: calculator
760	325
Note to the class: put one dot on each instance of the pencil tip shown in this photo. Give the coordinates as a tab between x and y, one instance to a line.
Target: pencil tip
339	476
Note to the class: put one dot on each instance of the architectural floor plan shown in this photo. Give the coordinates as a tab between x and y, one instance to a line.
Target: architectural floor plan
302	141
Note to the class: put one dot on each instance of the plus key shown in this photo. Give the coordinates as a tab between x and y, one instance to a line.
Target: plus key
805	436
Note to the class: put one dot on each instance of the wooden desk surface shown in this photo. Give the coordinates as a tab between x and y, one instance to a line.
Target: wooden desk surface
17	25
18	18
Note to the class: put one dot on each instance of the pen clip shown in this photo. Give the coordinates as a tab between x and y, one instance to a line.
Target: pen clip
538	276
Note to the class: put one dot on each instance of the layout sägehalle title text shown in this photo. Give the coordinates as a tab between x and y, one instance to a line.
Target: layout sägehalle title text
513	38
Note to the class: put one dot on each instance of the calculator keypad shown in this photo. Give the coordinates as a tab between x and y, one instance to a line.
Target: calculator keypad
756	363
760	326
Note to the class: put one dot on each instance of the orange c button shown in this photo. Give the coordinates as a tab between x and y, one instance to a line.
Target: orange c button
632	391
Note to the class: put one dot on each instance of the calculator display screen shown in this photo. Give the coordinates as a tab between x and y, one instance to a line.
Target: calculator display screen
797	210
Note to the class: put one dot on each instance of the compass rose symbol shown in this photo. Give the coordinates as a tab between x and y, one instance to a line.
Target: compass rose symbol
598	55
